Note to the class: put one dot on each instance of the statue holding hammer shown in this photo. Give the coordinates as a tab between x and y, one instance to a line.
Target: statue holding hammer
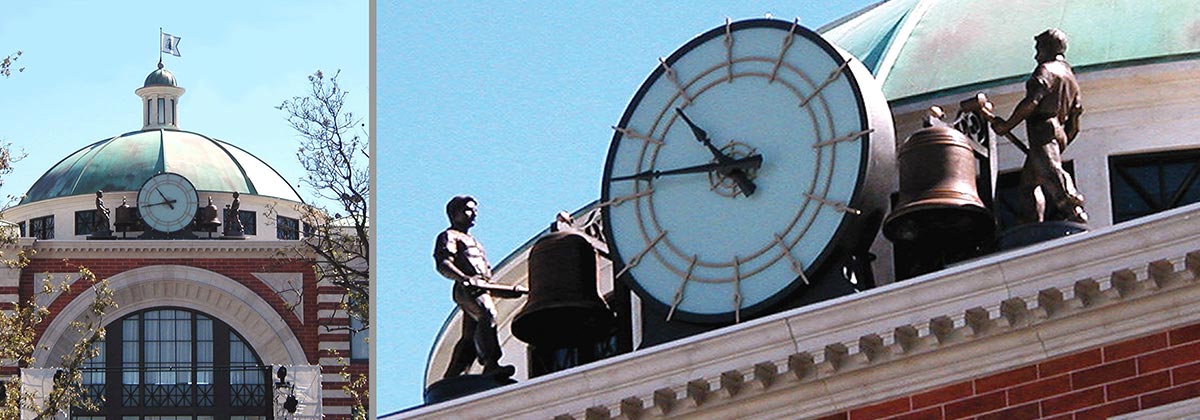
459	257
1051	110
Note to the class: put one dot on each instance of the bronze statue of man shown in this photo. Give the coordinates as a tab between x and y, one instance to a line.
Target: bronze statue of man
1051	110
102	214
459	257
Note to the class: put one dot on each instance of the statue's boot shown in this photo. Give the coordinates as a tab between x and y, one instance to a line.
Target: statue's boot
499	370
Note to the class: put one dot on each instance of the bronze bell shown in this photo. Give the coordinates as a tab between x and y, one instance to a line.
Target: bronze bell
938	199
207	219
126	218
563	306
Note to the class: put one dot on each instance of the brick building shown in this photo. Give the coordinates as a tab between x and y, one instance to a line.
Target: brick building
207	314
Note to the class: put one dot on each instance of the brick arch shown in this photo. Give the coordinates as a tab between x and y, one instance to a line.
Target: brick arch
186	287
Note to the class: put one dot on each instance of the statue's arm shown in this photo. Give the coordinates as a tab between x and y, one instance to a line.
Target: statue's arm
446	268
1072	124
443	256
1035	89
1022	111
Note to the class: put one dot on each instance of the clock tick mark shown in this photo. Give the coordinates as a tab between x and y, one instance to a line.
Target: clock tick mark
687	100
848	137
617	201
728	51
787	43
837	205
834	75
631	133
737	290
797	266
637	259
682	284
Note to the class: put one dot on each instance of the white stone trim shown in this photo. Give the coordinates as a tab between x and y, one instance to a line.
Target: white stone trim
188	287
124	249
289	287
328	314
985	316
334	345
39	279
332	362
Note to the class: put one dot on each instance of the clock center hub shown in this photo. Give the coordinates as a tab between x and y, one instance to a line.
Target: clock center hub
720	182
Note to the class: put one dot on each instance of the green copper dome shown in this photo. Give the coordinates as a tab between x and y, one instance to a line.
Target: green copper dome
160	77
928	48
124	162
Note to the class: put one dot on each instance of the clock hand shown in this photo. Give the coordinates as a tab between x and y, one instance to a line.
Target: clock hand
165	200
748	162
737	174
168	202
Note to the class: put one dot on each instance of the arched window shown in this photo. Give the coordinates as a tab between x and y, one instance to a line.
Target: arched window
177	364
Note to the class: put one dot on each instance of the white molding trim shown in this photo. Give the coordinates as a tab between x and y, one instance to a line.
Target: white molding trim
188	287
985	316
124	249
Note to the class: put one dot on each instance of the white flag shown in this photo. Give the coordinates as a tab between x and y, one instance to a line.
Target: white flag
170	44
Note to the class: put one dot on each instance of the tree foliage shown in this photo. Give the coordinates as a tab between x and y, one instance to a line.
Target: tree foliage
7	63
19	321
334	152
18	342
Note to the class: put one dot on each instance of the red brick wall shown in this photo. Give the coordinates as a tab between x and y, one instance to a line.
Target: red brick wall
1132	375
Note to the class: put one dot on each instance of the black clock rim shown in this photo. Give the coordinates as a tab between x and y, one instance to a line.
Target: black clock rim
152	177
849	228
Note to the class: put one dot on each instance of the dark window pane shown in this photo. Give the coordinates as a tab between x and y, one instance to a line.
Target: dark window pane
249	222
287	228
84	222
1148	183
42	227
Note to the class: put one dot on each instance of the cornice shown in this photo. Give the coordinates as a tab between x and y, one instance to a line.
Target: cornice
116	249
984	316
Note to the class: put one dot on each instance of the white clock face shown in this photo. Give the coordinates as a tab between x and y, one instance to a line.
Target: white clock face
167	202
726	230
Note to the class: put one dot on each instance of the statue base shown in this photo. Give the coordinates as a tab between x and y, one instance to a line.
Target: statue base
233	236
461	386
1032	233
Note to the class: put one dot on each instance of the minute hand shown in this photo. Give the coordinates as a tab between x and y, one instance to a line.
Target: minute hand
739	176
748	162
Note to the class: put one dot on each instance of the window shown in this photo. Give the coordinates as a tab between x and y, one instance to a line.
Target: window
148	105
1144	184
360	348
249	222
162	110
21	227
178	364
42	227
1007	199
84	222
287	228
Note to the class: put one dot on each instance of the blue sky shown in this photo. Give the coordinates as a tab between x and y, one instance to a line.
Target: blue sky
511	102
239	60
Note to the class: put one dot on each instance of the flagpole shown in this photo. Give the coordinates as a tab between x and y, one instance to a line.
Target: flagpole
160	33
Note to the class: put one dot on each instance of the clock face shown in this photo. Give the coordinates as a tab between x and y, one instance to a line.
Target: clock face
747	158
167	202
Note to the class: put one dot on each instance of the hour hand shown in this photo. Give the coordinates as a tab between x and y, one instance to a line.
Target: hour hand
743	164
737	174
165	200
